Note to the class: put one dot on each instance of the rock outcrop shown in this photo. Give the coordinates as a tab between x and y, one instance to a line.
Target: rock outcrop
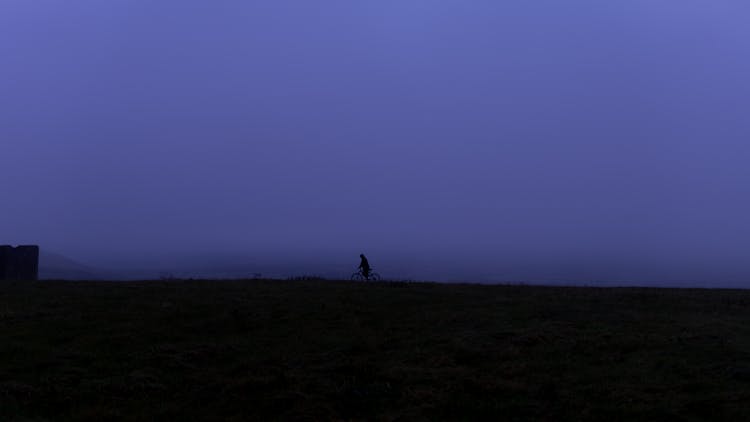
20	263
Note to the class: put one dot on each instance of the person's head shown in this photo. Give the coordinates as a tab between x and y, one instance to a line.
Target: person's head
361	255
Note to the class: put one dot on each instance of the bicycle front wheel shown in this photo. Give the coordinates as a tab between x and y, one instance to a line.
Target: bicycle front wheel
357	277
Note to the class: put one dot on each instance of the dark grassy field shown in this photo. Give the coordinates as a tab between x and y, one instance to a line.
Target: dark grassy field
386	351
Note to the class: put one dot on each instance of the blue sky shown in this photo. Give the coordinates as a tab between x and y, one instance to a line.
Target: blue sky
599	134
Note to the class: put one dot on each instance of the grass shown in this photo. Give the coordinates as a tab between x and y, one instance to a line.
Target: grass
318	350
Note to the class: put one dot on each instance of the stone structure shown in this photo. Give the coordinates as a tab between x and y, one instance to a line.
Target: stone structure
21	263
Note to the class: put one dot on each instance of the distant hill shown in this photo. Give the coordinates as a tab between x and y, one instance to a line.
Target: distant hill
53	266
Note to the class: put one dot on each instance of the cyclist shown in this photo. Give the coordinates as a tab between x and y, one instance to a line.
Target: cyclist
364	265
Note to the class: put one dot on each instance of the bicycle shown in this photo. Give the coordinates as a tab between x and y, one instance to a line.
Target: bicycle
359	276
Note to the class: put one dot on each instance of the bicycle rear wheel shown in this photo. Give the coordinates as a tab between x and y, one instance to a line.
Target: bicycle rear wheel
374	277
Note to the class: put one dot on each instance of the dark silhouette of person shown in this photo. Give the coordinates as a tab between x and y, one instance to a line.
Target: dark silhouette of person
364	265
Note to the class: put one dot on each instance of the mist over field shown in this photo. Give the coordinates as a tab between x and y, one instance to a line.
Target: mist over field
566	142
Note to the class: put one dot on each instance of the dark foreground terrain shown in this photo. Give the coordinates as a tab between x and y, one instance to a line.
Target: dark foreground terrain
386	351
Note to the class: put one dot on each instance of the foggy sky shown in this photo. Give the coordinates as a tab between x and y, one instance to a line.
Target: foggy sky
518	137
